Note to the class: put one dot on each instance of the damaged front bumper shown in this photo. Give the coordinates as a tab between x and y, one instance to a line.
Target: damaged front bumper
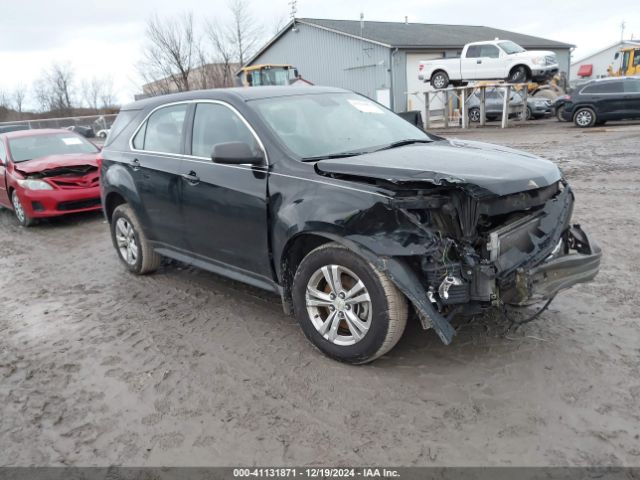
579	263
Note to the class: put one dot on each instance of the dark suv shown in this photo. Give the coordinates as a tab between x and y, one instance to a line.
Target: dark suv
601	100
351	214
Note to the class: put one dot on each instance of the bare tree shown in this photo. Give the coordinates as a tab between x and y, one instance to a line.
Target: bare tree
107	96
224	52
54	88
92	92
245	32
19	94
279	23
170	54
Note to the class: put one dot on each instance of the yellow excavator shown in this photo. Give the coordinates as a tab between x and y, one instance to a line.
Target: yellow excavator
269	74
627	62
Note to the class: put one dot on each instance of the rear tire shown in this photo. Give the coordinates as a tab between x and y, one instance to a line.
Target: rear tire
18	209
584	117
131	243
367	314
439	80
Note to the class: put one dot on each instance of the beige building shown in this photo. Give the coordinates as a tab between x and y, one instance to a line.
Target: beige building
211	75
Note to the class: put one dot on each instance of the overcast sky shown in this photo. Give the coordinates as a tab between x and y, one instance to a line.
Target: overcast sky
105	37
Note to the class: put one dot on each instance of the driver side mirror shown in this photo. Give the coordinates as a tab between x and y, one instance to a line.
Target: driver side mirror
235	153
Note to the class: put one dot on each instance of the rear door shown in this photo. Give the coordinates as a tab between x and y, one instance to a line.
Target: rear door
156	164
607	97
225	206
4	194
469	62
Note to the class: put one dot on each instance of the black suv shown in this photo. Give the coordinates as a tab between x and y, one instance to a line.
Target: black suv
351	214
601	100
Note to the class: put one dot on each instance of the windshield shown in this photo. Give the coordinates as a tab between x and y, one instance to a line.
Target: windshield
510	48
35	146
318	125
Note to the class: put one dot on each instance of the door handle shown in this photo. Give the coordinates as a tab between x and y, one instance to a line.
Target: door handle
191	177
135	164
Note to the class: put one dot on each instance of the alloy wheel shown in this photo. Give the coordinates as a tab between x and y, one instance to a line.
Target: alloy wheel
438	81
126	241
18	208
474	115
338	305
584	118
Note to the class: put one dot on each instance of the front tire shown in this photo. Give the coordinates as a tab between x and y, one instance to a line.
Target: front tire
19	211
584	117
518	75
559	113
346	307
474	115
131	243
440	80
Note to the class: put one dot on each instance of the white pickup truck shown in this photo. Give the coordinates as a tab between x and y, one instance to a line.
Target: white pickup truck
493	60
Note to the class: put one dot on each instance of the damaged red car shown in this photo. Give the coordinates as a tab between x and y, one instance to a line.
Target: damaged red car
47	173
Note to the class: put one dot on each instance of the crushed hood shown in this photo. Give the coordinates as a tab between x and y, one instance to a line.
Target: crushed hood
498	170
52	162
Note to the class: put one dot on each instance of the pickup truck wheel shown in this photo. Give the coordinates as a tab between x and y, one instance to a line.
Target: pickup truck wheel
439	80
22	217
346	307
518	75
131	243
584	117
474	114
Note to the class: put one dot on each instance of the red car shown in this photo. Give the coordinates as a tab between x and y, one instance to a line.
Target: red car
47	173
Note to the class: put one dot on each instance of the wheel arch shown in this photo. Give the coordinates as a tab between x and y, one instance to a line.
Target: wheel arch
111	202
518	65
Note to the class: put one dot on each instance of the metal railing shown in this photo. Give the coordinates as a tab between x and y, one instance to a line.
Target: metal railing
98	122
452	104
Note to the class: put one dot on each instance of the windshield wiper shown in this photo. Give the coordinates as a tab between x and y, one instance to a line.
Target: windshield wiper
402	143
331	156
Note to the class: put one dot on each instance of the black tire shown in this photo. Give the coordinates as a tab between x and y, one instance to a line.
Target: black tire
559	112
518	75
21	216
388	306
146	259
440	80
474	115
584	117
529	114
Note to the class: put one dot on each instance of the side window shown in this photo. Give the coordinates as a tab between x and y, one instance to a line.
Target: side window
473	51
632	86
604	87
490	51
162	132
636	57
215	123
3	153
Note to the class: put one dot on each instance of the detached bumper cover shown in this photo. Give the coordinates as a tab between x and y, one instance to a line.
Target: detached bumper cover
558	273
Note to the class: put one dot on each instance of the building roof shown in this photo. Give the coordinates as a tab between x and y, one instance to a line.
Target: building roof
426	35
620	44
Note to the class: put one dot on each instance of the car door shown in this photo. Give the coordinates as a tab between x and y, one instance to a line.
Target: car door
225	206
4	194
155	162
489	64
469	62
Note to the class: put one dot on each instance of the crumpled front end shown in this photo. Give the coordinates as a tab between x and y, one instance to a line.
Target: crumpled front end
515	250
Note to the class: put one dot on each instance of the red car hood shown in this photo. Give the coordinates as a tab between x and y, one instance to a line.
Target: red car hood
56	161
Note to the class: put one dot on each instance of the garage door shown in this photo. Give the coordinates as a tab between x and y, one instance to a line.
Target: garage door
415	87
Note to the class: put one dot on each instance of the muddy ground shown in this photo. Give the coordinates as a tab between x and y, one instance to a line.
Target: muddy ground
183	367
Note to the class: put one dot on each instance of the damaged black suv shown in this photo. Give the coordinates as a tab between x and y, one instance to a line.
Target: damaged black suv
351	214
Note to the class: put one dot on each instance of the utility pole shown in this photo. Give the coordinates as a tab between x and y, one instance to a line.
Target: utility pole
622	25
